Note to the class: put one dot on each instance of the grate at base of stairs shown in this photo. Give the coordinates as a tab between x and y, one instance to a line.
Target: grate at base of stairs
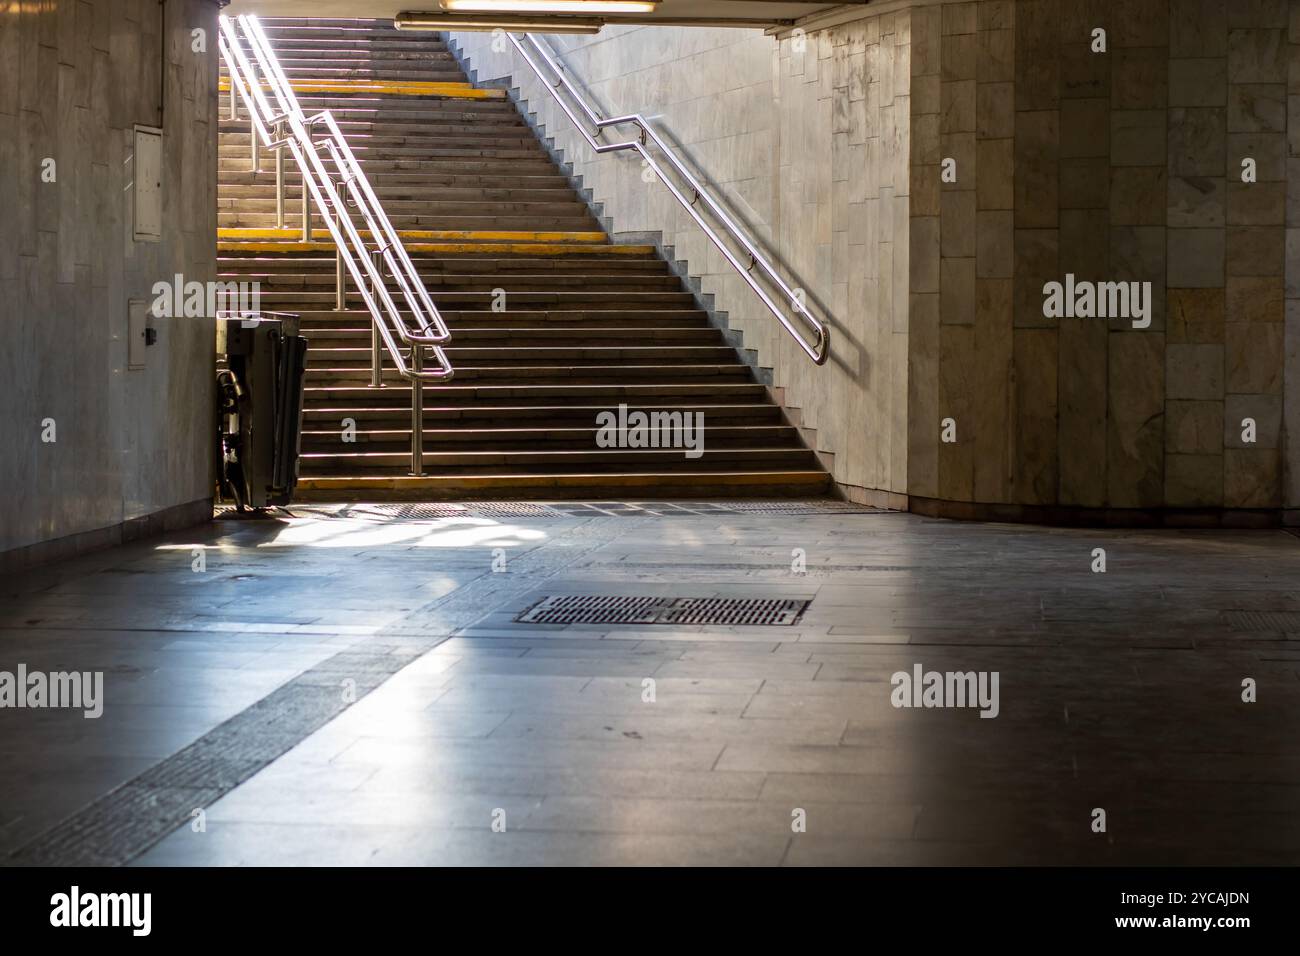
432	511
628	609
488	509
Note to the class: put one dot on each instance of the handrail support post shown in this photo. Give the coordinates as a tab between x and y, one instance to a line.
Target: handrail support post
280	176
417	411
376	359
340	284
306	210
252	123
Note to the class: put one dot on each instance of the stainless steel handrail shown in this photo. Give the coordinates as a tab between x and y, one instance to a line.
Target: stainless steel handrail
818	349
368	267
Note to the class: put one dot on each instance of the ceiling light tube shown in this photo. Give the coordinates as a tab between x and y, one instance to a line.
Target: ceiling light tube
583	7
437	21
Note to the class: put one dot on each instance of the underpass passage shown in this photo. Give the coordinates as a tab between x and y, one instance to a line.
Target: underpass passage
316	717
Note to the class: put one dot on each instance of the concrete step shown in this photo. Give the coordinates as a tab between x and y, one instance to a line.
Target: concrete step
559	340
467	223
322	69
471	420
584	321
407	208
526	376
235	135
299	302
608	395
539	356
307	52
639	484
397	440
558	461
430	266
515	285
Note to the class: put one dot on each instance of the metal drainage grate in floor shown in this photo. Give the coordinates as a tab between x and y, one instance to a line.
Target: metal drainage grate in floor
625	609
1262	620
798	507
487	509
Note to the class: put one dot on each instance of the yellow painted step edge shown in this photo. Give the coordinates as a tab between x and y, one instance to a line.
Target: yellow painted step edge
468	235
454	248
463	91
634	479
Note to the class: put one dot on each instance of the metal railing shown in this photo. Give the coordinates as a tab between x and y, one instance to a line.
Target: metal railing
554	78
334	180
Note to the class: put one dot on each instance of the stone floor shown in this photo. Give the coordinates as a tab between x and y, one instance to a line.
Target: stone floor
349	687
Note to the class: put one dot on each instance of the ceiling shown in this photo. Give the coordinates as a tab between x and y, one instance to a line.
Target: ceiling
705	12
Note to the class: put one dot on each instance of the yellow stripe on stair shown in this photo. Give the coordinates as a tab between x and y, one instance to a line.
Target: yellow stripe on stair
464	91
466	235
455	248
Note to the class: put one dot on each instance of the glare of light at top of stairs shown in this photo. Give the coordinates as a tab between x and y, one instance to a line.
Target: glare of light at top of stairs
484	23
592	7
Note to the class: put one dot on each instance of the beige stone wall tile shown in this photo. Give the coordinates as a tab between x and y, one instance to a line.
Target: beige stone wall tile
957	291
992	399
923	397
956	401
1264	410
1257	56
1037	262
996	15
1196	258
1195	372
1195	316
1037	152
1085	244
1083	412
1085	184
1034	476
1135	426
1197	202
1269	150
1139	78
1252	478
1194	481
1198	28
1037	45
1254	356
1085	127
1198	82
1257	108
1141	23
1197	139
1194	427
1138	196
995	244
1254	251
1140	138
995	116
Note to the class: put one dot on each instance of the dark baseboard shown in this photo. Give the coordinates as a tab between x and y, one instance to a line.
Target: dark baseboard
1079	517
133	529
872	497
1068	516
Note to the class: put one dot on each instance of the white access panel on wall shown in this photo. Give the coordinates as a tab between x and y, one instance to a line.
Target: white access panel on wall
147	171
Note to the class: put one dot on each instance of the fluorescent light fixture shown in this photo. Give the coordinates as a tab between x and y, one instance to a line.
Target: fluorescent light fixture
488	22
584	7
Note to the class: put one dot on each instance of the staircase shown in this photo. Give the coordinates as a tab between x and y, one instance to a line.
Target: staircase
552	323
